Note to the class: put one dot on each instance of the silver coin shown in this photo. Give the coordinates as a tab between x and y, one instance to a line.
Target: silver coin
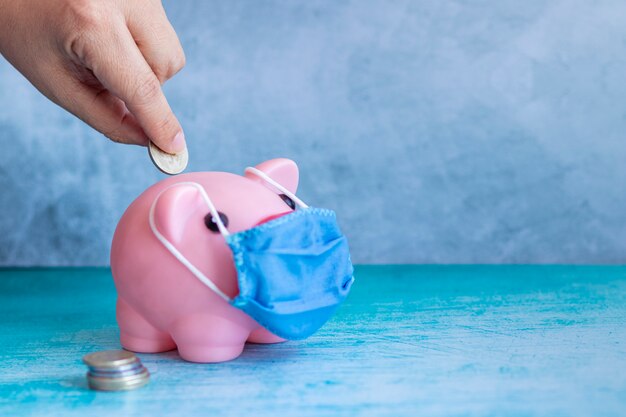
168	163
109	359
120	380
121	387
117	372
119	384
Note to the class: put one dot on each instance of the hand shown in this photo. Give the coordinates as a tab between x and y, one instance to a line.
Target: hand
102	60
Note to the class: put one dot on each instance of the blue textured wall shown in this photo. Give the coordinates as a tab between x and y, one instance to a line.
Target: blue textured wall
441	131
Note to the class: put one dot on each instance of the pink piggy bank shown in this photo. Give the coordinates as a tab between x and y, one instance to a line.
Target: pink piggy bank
207	261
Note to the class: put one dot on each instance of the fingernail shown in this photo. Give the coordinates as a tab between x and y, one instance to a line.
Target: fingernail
178	144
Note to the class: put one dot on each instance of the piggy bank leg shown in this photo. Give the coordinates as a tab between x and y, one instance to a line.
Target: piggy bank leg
209	338
262	335
137	335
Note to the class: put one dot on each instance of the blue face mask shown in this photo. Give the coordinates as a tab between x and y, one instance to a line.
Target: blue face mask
293	271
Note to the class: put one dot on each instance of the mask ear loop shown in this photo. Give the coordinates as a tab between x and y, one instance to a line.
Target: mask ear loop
175	252
276	185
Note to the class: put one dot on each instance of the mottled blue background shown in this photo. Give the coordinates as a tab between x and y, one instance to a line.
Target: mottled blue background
441	131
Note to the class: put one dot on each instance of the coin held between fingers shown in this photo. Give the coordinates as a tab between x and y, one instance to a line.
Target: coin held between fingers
167	163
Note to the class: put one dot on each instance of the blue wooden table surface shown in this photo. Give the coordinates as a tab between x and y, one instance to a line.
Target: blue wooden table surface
410	340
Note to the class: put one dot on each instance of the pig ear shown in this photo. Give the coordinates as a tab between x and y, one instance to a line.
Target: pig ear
283	171
174	208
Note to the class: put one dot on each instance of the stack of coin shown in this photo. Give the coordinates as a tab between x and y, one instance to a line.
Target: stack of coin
115	370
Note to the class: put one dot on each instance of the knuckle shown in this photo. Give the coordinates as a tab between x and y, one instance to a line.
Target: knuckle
113	136
86	13
170	67
147	90
84	19
162	72
179	61
112	132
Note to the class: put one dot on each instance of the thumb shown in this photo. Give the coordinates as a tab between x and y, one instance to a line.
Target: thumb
122	69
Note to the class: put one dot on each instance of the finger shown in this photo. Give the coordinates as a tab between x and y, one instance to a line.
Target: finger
156	39
98	108
121	68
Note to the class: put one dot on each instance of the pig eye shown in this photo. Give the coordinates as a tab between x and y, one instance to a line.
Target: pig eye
288	201
211	225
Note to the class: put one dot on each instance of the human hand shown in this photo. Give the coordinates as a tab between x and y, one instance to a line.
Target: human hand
103	61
